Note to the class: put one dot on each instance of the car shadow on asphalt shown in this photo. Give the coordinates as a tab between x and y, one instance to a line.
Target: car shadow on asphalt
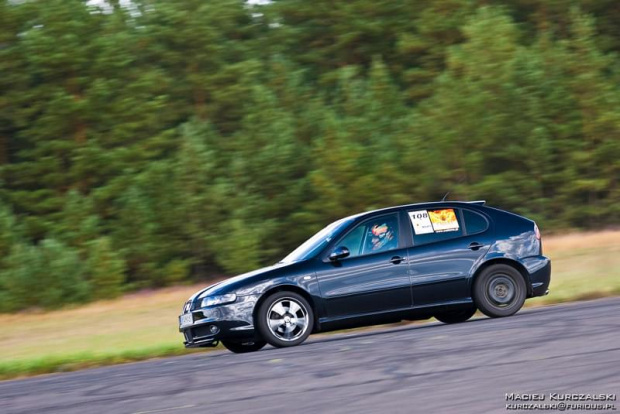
377	330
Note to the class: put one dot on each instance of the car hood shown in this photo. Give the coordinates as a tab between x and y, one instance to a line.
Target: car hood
244	281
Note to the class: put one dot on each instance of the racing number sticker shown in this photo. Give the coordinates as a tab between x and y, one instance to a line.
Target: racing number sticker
421	222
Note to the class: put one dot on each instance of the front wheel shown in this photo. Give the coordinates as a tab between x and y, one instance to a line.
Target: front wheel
499	291
285	319
456	316
243	347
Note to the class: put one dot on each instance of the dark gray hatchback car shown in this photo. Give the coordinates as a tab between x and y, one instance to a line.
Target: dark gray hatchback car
442	260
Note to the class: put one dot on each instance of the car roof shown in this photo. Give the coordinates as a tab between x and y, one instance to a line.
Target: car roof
415	205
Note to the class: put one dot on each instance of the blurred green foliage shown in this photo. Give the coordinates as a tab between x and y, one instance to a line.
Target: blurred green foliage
152	142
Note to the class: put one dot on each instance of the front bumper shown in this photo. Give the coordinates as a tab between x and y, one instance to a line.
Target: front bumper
210	325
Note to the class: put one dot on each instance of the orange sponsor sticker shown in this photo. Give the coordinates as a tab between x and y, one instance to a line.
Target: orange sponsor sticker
444	220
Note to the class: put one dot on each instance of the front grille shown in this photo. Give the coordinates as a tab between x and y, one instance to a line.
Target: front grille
199	316
186	307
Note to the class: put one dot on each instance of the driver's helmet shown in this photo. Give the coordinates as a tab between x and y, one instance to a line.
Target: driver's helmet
381	235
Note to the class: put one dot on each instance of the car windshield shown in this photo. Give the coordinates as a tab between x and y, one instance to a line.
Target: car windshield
317	242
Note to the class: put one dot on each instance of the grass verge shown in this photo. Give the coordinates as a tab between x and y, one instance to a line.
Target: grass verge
74	362
143	325
584	266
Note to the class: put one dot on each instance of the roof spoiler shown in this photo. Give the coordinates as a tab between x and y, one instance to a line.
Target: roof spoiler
477	202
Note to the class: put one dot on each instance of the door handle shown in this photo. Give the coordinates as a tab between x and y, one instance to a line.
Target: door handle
396	259
475	246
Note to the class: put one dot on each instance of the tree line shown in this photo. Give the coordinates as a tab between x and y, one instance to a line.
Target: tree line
151	142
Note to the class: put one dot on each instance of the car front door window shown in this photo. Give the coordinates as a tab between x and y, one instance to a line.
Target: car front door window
381	235
373	236
353	241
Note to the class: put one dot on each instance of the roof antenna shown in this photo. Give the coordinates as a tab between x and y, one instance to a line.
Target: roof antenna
446	196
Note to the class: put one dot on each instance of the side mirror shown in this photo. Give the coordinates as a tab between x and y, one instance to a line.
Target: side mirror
339	253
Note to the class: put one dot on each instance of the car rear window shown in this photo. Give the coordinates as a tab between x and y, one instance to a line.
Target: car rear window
434	225
474	222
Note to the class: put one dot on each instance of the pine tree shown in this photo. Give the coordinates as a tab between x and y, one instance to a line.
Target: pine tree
77	223
201	202
47	275
136	231
472	127
105	269
360	150
596	165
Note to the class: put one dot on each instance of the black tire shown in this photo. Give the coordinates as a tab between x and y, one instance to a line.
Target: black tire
456	316
243	347
499	291
280	317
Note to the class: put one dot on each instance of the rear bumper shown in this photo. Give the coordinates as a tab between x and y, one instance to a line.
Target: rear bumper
539	269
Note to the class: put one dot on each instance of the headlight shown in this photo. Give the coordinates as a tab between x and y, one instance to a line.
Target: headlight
218	300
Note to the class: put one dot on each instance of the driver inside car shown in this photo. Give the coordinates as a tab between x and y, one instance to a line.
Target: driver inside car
382	237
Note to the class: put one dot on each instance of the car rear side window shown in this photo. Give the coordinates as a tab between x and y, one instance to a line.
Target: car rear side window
474	222
434	225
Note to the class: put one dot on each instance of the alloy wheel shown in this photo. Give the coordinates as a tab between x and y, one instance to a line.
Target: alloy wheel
287	319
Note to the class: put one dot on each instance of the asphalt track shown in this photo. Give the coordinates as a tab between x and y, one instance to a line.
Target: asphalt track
430	368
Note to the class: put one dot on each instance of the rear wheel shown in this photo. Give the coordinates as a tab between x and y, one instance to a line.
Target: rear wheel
242	347
456	316
285	319
499	291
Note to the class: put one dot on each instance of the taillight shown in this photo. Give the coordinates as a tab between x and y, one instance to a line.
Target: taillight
537	231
